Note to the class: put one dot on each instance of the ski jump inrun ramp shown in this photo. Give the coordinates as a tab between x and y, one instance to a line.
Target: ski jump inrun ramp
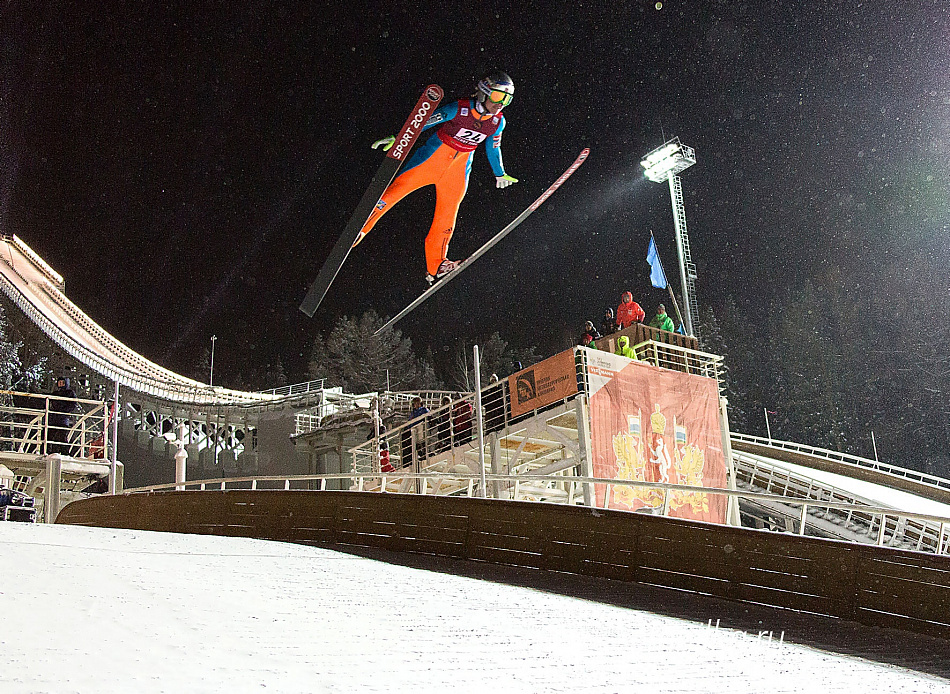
38	290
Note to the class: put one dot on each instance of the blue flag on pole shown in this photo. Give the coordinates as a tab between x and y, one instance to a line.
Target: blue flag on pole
657	276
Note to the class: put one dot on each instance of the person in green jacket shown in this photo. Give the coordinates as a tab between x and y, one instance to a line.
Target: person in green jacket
661	320
624	349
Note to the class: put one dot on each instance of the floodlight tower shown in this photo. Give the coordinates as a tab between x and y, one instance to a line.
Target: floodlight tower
665	163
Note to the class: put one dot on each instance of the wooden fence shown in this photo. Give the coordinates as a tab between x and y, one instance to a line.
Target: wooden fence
871	585
640	332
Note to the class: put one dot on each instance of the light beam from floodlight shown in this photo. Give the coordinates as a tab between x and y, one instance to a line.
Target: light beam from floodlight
665	163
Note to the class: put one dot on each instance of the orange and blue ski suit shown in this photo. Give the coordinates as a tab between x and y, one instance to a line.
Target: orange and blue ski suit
445	161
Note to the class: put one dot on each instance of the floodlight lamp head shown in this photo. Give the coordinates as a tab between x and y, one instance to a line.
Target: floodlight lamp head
669	159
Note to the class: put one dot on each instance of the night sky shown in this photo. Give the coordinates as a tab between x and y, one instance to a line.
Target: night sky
188	166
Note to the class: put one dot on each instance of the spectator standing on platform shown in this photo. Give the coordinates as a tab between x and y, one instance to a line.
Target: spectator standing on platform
419	411
443	424
661	320
609	324
385	465
61	417
624	349
589	335
462	421
629	311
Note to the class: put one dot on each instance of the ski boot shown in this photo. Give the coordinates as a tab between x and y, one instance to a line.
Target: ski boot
445	267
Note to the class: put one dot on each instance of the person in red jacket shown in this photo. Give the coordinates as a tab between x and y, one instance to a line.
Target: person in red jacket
462	421
629	311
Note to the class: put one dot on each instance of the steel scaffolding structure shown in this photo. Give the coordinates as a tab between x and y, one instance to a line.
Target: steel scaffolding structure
665	163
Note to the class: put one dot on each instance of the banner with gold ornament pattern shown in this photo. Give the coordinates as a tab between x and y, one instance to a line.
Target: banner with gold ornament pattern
656	425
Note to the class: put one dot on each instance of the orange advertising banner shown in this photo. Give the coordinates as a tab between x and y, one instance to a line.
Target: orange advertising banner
656	425
544	383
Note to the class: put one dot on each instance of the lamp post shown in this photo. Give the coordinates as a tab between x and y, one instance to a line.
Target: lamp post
665	163
214	338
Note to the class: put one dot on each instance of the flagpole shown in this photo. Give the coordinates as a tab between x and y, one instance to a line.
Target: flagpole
675	305
668	287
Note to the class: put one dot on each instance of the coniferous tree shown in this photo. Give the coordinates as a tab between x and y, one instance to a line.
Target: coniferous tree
811	382
353	357
274	375
26	359
203	366
496	355
19	370
713	341
915	419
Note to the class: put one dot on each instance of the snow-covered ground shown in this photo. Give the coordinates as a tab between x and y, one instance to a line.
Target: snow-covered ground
97	610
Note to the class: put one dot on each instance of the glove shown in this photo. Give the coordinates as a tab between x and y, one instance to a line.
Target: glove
386	142
505	181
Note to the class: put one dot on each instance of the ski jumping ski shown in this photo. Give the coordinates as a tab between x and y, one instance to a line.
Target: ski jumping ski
488	245
397	154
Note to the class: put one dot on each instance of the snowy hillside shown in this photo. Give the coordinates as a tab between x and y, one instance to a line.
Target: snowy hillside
96	610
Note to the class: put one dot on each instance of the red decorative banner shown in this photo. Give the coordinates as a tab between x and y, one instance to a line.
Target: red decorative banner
656	425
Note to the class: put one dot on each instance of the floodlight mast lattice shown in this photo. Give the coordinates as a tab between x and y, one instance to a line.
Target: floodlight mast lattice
665	163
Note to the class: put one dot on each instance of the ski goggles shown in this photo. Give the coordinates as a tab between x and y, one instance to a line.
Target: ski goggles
496	96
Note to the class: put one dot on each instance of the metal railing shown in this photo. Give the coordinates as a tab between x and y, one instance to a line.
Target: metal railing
421	442
297	388
639	332
768	476
857	461
679	358
425	441
437	453
305	422
39	424
434	430
566	489
757	474
333	404
337	406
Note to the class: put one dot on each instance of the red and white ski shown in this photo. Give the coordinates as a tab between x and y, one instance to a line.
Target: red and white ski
495	239
397	154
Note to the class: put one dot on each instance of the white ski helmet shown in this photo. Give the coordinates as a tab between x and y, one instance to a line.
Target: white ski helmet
498	87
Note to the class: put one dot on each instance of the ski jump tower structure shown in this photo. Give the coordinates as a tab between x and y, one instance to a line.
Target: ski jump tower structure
593	434
298	430
223	430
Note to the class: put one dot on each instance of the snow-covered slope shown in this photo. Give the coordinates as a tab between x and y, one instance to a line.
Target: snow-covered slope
99	610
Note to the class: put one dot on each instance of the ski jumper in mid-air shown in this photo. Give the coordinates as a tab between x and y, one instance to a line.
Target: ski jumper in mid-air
445	161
